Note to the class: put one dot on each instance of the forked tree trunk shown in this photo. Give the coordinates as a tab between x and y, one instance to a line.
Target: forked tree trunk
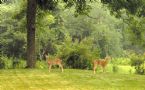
31	16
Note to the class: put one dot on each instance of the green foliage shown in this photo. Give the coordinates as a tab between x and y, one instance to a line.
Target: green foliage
75	39
47	4
132	13
81	6
78	60
82	37
139	62
134	33
2	63
9	63
76	55
41	64
135	7
5	62
121	61
115	68
10	40
12	30
105	35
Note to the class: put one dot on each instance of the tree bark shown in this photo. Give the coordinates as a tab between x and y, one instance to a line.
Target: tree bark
31	16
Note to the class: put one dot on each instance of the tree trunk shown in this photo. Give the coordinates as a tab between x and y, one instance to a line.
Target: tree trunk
31	16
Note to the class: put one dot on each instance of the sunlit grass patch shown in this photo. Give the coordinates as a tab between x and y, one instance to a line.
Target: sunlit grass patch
71	79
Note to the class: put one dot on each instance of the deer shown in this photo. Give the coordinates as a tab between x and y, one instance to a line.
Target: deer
56	61
101	62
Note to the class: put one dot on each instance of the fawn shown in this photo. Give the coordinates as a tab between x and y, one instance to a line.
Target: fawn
56	61
101	62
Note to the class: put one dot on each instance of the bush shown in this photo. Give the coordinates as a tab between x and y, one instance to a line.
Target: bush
9	63
139	62
18	63
77	55
78	61
5	62
41	64
121	61
115	68
2	63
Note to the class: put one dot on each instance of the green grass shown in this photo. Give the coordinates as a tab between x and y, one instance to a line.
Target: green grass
70	79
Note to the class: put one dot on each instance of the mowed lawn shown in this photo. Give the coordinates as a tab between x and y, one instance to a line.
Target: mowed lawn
70	79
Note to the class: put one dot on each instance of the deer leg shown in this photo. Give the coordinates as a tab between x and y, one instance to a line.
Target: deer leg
50	67
94	69
103	69
61	67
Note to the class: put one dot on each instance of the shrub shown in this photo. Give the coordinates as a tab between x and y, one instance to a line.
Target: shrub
8	63
78	61
5	62
121	61
18	63
139	62
2	63
77	55
115	68
41	64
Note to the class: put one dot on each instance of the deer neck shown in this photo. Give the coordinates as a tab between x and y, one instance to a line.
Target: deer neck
106	60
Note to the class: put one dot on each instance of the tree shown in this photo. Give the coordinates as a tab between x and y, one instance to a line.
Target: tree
135	7
133	14
31	16
12	30
81	7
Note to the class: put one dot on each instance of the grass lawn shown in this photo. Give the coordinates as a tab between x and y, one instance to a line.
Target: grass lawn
70	79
